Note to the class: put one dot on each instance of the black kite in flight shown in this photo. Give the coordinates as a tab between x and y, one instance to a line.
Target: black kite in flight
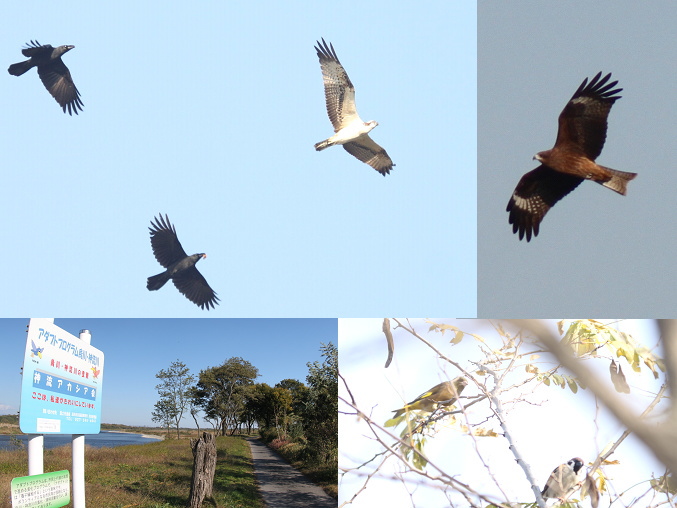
580	138
180	266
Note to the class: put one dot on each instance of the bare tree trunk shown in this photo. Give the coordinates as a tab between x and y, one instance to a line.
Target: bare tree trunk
193	414
204	467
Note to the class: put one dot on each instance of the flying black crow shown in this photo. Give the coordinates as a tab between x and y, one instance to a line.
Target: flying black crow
53	73
180	266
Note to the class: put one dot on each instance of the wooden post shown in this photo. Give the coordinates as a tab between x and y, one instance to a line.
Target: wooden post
204	467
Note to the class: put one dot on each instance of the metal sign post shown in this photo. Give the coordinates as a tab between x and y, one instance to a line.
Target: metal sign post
78	452
35	454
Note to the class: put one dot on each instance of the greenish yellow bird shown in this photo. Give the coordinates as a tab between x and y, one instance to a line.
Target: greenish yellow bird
443	394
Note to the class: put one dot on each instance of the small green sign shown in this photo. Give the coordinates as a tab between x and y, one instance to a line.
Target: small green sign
49	490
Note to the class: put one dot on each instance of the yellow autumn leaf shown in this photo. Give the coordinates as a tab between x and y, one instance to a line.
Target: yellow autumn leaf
532	369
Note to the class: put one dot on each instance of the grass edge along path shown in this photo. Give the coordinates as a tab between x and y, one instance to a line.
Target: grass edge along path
153	475
324	476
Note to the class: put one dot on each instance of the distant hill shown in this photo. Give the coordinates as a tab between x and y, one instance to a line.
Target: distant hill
11	419
141	429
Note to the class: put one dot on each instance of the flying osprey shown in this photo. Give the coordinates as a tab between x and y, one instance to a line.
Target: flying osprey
580	138
351	131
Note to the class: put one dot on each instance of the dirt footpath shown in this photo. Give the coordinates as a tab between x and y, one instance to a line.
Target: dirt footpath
281	485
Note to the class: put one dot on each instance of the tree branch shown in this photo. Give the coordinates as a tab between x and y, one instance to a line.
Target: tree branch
659	438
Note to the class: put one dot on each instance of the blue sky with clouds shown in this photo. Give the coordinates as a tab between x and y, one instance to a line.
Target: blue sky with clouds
208	112
135	350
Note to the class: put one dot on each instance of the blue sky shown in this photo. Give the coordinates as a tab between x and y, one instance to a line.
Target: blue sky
208	112
137	349
597	252
548	425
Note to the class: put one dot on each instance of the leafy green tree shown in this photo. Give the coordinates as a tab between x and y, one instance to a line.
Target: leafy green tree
272	407
164	412
248	415
221	391
257	405
279	400
174	390
320	414
299	394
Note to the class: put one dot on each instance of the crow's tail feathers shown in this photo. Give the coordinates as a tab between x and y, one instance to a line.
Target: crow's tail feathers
18	69
157	281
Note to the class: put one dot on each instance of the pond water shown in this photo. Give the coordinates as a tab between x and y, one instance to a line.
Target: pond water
107	439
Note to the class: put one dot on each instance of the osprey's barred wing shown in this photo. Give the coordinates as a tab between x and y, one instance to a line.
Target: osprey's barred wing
350	131
367	151
338	90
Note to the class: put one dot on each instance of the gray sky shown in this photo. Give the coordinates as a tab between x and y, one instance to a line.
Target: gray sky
597	252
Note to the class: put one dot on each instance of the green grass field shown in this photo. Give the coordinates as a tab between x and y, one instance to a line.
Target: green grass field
154	475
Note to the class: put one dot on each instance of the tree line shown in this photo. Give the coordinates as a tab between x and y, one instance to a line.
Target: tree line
228	397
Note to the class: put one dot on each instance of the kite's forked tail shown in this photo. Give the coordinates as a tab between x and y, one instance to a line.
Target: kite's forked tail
619	180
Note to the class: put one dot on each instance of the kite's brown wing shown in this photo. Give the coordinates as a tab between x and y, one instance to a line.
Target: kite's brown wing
583	121
166	246
535	194
193	285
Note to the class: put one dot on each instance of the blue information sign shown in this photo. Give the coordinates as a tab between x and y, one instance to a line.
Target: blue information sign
62	379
